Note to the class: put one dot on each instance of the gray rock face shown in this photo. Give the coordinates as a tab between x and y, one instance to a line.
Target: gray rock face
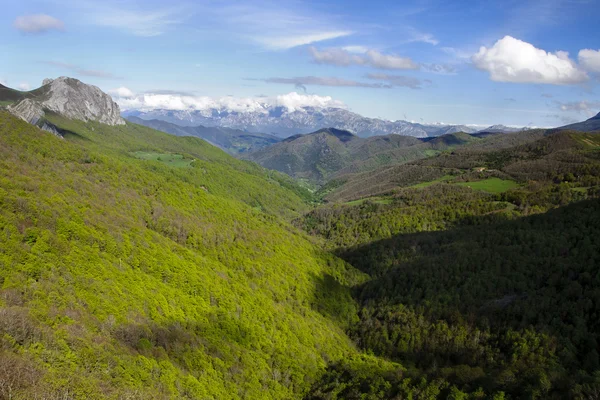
72	99
29	110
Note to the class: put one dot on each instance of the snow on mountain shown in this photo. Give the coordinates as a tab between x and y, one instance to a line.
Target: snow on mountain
283	116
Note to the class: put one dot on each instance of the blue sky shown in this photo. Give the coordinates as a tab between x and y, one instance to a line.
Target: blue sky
471	62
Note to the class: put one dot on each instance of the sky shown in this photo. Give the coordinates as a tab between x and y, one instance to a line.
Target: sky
512	62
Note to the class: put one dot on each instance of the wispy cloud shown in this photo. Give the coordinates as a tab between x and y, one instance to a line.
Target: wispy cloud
303	81
415	35
397	80
440	69
288	42
373	58
38	23
273	25
138	19
82	71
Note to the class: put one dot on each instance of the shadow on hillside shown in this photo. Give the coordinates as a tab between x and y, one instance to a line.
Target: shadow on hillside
532	268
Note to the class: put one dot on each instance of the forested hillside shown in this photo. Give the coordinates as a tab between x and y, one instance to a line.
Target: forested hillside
484	283
136	264
177	276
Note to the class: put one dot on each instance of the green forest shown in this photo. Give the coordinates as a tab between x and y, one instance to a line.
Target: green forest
135	264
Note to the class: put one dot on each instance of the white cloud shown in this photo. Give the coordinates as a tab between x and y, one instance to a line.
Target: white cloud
590	59
389	61
512	60
290	41
3	82
24	86
373	58
38	23
291	101
122	92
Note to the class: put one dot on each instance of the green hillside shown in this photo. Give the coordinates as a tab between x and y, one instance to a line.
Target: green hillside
233	141
537	156
136	264
331	153
124	277
480	287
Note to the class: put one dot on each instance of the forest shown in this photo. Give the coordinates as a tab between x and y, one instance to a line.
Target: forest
136	264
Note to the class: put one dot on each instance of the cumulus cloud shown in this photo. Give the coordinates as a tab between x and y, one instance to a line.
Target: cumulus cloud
590	60
38	23
122	92
24	86
513	60
291	101
397	80
371	57
303	81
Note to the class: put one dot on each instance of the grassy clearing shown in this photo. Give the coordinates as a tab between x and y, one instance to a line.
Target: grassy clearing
376	200
491	185
173	160
444	178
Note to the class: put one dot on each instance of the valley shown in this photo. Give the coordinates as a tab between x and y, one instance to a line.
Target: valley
142	264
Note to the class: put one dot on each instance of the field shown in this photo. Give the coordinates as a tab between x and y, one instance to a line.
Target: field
444	178
173	160
491	185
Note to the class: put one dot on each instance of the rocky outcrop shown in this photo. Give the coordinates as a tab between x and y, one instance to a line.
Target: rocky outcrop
72	99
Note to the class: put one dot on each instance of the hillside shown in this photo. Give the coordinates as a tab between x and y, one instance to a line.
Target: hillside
313	156
505	156
331	153
590	125
483	281
128	276
233	141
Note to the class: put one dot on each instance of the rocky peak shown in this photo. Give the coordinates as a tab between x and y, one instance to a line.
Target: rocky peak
70	98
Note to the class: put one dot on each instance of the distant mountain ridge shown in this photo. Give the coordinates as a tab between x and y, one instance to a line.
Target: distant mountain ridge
329	153
233	141
284	122
589	125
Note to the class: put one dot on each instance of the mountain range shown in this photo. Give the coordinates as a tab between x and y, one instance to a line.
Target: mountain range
283	122
330	153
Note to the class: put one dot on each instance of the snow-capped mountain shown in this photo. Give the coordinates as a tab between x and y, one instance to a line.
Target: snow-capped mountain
283	115
284	122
